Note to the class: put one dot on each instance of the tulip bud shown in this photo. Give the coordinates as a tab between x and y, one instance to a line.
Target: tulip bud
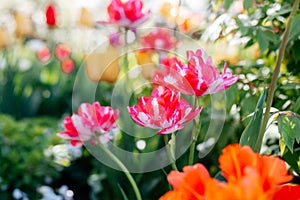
51	16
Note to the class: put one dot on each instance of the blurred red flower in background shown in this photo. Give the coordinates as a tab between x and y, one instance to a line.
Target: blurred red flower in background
164	110
92	123
159	39
67	65
62	51
51	15
43	54
126	14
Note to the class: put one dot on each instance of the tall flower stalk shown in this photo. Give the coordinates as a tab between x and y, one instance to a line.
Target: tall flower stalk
195	135
125	171
275	77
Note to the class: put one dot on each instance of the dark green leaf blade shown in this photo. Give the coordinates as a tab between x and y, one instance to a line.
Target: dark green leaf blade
250	134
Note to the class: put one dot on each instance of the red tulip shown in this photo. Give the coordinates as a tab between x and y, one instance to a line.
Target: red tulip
51	15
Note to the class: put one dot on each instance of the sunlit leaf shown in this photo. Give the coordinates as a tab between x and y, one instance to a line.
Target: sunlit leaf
289	127
250	134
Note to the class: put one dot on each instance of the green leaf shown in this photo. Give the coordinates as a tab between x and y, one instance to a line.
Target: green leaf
227	4
263	41
231	95
250	134
248	4
291	86
295	28
289	126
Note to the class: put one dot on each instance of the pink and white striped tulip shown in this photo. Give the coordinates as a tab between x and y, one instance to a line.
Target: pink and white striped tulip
92	123
164	110
198	77
126	13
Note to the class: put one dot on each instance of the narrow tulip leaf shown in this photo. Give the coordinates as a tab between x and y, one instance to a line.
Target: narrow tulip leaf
123	193
219	177
250	134
289	126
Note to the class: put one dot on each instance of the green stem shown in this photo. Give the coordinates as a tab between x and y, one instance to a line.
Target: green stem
195	134
275	77
170	151
125	170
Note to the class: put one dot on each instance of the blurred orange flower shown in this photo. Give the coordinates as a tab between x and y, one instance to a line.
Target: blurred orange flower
189	184
249	175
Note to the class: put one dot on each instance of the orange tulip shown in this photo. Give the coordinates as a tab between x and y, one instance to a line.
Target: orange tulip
144	59
4	38
103	66
189	184
249	175
24	26
86	18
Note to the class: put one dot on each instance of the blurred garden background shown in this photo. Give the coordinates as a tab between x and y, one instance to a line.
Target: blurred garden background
47	47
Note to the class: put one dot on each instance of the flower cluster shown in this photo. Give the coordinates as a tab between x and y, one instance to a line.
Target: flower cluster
62	52
249	175
92	123
165	110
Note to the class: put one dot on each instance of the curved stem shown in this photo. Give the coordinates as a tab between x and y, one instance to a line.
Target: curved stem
125	170
170	151
275	77
195	133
